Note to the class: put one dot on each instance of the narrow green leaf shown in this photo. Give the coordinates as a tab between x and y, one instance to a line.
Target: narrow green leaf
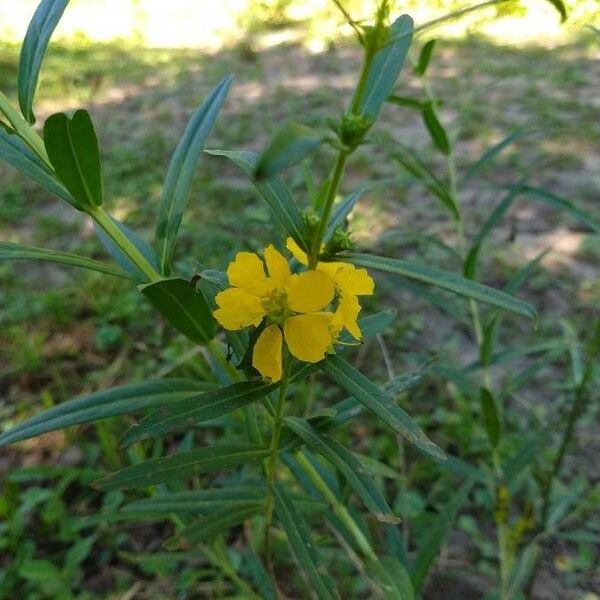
391	577
44	21
185	308
303	547
405	102
220	521
19	156
347	464
491	416
490	154
386	66
470	262
559	5
111	402
273	191
181	170
203	407
291	144
435	128
445	280
555	201
72	148
425	57
10	251
431	544
182	466
379	403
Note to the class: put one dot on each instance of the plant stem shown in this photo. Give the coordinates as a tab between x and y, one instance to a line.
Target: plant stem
118	237
272	464
338	508
501	519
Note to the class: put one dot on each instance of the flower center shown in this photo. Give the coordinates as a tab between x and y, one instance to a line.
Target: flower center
276	306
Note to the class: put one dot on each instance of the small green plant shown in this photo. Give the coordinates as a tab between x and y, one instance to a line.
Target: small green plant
259	459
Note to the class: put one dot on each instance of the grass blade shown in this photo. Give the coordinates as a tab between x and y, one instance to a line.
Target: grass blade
379	403
181	170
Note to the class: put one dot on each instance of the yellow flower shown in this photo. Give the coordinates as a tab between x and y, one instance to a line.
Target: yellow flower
349	281
291	303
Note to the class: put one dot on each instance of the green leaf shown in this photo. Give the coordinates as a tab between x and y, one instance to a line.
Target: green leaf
431	544
425	57
405	102
111	402
77	553
347	464
220	521
391	577
197	501
203	407
489	155
557	202
273	191
303	547
491	417
181	170
19	156
436	130
386	66
185	308
445	280
470	262
379	403
561	8
183	465
10	251
72	148
290	145
44	21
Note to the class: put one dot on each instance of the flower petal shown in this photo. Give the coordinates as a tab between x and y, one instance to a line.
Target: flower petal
309	336
296	251
310	291
266	357
354	281
346	315
246	271
238	308
279	270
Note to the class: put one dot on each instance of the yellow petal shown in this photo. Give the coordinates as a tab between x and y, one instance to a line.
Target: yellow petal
246	271
296	251
354	281
238	308
310	291
279	270
346	315
309	336
266	358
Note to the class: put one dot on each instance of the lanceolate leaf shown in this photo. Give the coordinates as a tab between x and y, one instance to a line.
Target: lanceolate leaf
72	148
181	170
206	406
425	57
491	416
290	145
9	251
390	576
561	8
379	403
185	308
347	464
43	23
273	191
386	66
445	280
435	128
120	400
303	546
183	465
19	156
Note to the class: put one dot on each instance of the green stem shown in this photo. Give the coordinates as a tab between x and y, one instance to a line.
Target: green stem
118	237
501	520
338	171
339	509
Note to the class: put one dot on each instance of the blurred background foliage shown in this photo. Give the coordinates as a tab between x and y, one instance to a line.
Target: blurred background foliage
140	67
